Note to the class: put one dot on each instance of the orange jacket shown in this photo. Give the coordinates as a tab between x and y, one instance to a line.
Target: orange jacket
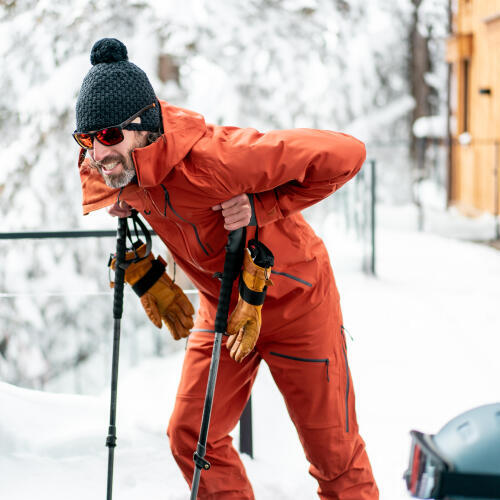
195	166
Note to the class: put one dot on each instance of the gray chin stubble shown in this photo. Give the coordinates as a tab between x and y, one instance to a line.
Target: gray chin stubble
120	180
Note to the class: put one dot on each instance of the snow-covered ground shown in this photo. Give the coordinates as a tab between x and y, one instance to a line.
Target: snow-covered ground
426	337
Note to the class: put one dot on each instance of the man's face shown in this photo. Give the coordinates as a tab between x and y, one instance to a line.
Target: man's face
115	163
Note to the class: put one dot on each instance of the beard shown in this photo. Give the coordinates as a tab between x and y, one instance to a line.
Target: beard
120	179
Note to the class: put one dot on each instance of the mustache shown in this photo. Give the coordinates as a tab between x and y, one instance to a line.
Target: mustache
106	161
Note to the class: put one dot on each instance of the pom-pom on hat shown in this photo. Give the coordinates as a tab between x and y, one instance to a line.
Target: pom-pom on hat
113	90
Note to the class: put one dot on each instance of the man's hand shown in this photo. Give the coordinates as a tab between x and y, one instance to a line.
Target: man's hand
120	209
237	212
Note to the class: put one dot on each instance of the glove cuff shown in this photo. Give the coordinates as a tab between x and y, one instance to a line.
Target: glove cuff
254	279
143	274
150	278
250	296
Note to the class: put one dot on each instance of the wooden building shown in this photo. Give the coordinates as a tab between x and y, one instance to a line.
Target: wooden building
473	51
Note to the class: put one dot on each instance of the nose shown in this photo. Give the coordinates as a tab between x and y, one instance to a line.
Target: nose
100	151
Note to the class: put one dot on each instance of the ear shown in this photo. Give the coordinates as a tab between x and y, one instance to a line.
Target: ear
141	137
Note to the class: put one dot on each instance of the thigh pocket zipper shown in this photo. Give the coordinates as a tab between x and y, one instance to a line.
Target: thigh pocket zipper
344	349
306	360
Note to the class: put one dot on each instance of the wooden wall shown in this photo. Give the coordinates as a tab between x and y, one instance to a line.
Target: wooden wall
474	48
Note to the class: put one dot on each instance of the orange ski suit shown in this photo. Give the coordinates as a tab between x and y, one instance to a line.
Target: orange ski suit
192	167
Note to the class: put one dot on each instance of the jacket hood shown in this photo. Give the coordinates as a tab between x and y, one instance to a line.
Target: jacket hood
182	129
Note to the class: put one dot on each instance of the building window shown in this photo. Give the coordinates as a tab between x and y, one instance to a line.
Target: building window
168	70
466	92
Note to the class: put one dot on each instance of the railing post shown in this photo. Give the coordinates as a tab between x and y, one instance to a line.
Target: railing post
373	214
246	434
421	145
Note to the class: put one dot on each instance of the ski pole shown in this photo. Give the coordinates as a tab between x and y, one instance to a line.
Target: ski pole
232	266
117	314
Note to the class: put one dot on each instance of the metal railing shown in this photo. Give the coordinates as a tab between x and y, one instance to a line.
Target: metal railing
246	432
356	201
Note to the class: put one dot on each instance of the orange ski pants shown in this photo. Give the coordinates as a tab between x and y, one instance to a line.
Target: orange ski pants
311	371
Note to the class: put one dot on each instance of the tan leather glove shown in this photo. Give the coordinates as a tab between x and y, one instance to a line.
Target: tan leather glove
160	297
245	321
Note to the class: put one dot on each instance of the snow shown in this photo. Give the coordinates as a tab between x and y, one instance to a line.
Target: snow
365	125
430	126
464	139
425	329
425	349
300	63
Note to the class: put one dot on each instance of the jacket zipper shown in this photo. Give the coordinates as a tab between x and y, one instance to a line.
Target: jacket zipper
291	276
167	200
347	385
306	360
176	224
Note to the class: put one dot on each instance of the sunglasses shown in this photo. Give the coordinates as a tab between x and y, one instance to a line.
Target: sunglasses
108	136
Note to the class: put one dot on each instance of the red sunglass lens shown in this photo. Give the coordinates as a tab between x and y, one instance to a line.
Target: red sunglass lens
416	469
84	140
110	136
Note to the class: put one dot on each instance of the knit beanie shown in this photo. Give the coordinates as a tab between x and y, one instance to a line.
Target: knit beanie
113	90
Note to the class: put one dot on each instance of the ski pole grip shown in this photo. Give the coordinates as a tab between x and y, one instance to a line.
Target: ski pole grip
232	265
121	244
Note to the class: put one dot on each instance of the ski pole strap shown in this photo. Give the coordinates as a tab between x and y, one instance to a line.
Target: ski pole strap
134	245
136	221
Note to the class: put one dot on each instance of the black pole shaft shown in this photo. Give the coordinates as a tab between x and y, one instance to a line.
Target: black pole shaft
201	448
117	314
232	266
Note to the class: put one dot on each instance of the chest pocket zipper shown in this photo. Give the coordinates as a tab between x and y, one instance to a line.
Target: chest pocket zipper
167	201
306	360
292	277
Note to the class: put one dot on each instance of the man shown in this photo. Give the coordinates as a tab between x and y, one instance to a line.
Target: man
179	173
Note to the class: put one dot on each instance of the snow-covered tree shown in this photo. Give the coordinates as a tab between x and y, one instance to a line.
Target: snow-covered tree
336	64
